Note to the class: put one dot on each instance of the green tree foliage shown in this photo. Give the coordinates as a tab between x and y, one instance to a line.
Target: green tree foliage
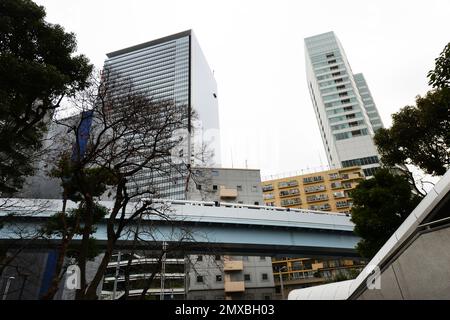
420	134
72	223
380	205
440	76
38	68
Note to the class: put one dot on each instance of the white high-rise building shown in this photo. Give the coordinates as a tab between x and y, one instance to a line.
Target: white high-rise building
174	68
368	102
346	126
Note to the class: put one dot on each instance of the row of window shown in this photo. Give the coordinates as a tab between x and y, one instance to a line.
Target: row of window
219	277
318	188
215	187
360	161
285	184
291	202
317	197
346	117
308	189
320	207
291	192
312	179
347	125
351	134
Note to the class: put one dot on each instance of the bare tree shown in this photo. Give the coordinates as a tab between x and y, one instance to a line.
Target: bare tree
131	137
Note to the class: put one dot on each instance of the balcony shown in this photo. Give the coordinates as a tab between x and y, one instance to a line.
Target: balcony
322	197
230	265
228	192
350	176
234	286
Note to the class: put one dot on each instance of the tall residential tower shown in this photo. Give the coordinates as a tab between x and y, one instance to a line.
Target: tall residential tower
346	125
174	68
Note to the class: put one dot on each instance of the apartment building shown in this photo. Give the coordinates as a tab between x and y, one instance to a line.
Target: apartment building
323	191
215	277
296	273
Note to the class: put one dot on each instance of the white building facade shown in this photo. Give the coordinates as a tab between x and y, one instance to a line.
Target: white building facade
174	68
343	120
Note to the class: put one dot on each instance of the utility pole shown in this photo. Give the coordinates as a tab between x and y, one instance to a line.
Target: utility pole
163	271
117	275
281	281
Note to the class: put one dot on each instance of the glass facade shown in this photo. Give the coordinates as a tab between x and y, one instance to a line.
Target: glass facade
368	102
344	113
163	70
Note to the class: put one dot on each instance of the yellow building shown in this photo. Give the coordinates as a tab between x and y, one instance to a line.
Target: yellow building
296	273
324	191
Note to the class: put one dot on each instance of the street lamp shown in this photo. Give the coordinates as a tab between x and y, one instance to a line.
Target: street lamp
281	281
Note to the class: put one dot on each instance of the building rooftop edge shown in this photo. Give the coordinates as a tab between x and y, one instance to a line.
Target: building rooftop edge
218	168
149	43
293	174
319	34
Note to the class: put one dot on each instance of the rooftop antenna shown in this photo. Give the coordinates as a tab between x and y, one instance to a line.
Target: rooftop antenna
231	151
320	159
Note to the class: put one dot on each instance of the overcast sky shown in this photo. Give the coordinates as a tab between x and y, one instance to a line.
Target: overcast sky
256	51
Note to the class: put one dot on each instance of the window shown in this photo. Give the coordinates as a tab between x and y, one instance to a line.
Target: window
199	258
256	203
330	55
267	187
335	185
199	279
370	171
239	188
219	278
214	187
247	277
218	257
340	87
290	202
347	185
360	161
262	258
312	179
317	197
332	61
254	188
215	173
343	94
338	80
334	67
199	187
335	74
334	176
318	188
345	101
264	277
342	136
